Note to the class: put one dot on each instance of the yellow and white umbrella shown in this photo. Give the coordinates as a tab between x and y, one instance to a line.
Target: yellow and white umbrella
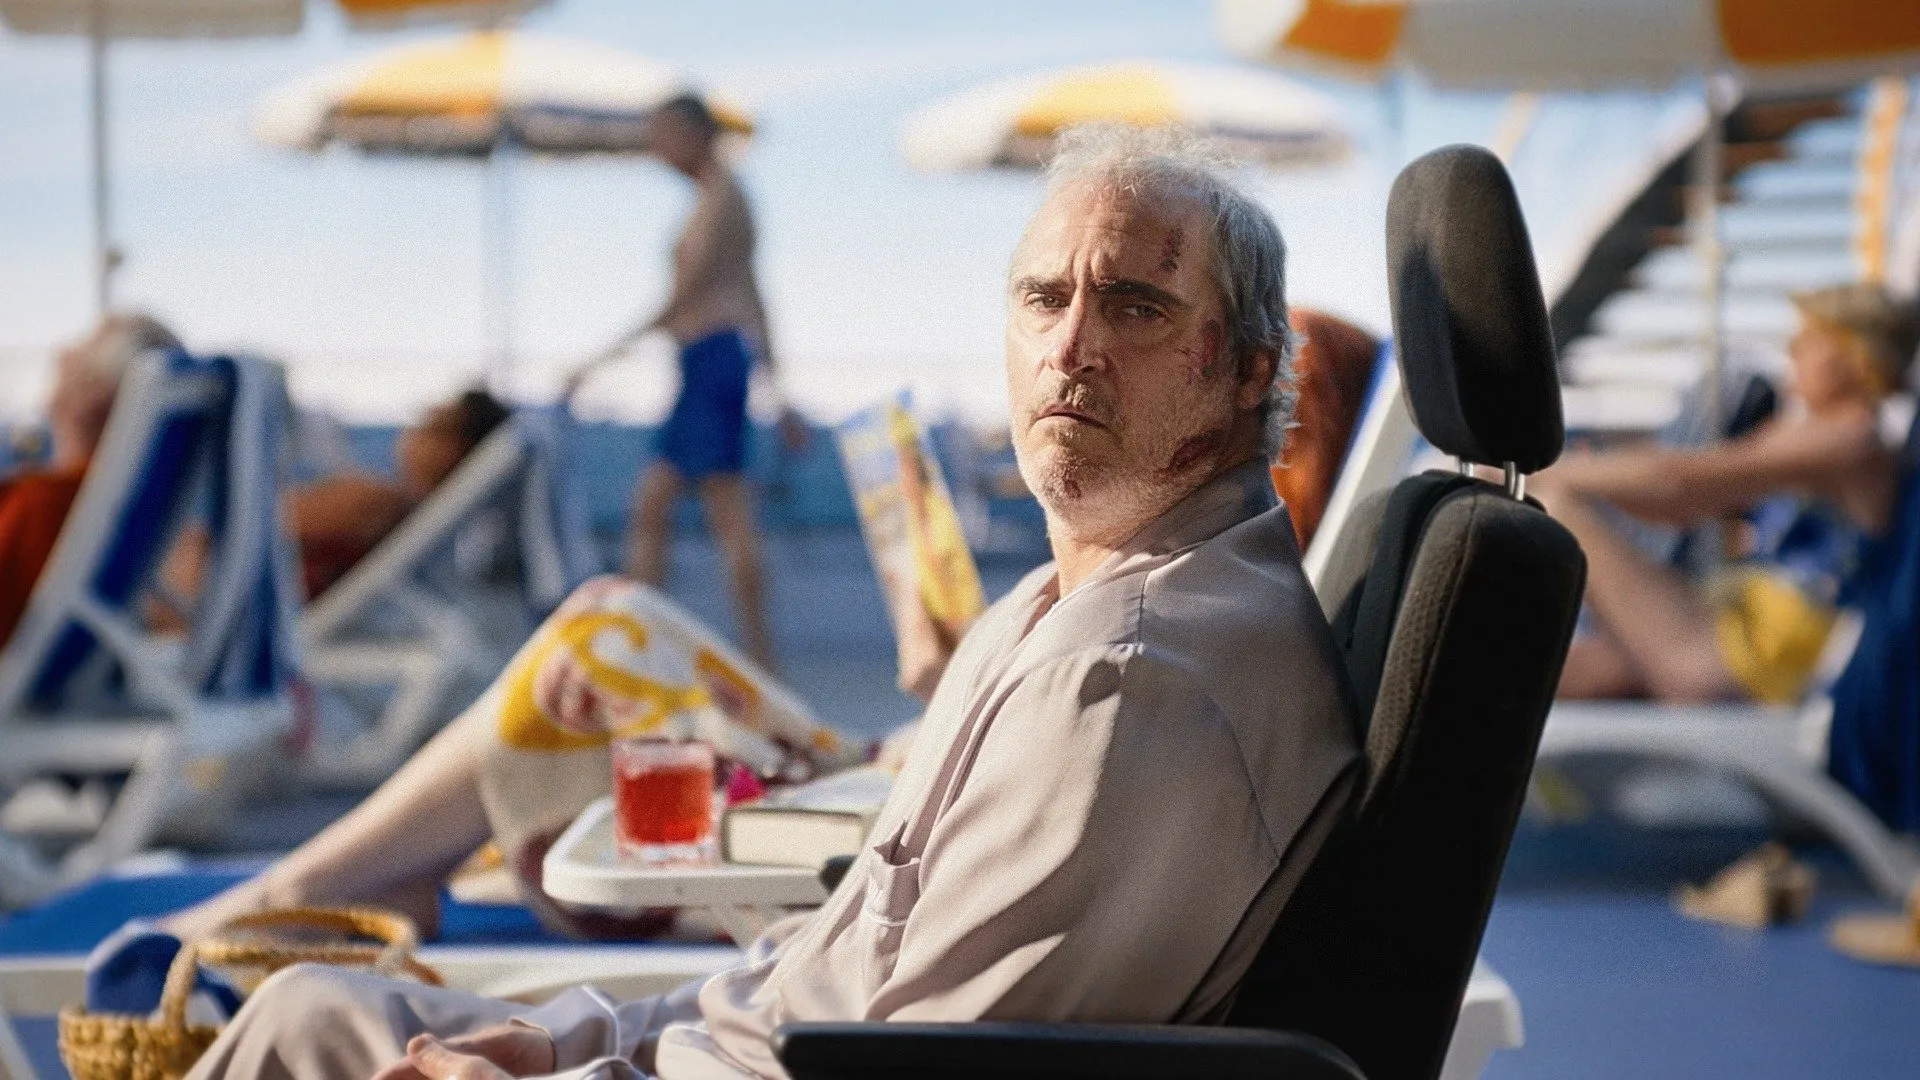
105	20
1013	122
1546	45
477	93
486	94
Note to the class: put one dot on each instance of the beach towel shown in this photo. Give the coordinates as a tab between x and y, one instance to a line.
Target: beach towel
1874	743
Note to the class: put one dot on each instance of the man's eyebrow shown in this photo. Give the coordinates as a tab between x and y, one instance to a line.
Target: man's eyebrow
1119	287
1035	283
1127	287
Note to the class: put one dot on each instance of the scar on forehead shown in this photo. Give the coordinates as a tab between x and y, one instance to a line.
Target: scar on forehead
1170	250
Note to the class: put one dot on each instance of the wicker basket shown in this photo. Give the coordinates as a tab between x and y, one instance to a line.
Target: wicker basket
124	1046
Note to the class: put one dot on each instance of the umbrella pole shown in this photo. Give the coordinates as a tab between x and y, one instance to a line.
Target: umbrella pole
499	267
104	256
1709	549
1706	207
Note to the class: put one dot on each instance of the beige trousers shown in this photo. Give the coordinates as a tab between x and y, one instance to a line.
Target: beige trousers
311	1022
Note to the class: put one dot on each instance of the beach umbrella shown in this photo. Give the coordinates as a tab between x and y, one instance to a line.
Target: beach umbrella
1012	122
1546	45
1558	45
101	21
483	95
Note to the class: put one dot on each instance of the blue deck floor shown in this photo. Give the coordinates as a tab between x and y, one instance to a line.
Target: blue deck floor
1612	983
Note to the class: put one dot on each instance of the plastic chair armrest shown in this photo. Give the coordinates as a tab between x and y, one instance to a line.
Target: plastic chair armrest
881	1051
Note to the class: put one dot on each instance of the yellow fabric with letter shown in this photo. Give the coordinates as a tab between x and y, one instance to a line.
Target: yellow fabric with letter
1770	633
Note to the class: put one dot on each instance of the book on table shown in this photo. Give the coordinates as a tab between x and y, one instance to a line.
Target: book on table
809	824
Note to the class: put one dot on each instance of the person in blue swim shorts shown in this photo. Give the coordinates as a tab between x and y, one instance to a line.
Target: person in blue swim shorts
715	316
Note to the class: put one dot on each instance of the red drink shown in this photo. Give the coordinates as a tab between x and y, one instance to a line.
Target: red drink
663	801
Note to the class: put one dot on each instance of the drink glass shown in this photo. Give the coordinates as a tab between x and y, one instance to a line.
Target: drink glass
663	802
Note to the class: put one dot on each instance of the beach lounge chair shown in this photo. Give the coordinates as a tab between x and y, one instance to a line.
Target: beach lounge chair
396	622
1454	608
87	690
1779	752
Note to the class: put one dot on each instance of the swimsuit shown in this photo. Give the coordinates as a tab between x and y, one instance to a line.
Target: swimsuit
705	434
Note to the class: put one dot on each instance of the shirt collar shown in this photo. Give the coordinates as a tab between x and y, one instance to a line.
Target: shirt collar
1236	495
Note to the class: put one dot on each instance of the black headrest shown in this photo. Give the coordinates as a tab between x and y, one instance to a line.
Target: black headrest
1471	326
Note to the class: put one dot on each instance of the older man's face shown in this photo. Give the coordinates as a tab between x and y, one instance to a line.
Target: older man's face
1122	389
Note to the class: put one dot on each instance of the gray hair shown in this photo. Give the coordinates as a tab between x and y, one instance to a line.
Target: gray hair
1249	256
121	340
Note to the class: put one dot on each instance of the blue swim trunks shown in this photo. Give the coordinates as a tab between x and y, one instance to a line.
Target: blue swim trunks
706	433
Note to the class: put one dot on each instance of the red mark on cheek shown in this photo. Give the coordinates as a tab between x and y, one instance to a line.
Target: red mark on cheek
1170	251
1071	487
1205	361
1212	346
1194	450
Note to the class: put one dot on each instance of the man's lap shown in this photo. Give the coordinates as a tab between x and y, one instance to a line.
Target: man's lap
313	1022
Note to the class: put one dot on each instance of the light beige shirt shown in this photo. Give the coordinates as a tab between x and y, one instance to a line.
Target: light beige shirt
1110	798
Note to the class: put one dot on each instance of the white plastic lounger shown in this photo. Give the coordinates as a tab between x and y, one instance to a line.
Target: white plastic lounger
1778	752
444	643
86	689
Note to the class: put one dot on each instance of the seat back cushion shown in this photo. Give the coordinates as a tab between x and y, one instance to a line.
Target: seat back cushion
1374	950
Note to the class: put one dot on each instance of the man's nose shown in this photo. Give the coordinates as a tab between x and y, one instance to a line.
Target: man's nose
1077	345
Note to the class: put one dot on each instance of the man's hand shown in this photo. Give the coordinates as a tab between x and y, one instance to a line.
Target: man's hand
502	1052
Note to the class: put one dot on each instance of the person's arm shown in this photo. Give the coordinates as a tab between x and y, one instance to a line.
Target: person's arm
178	582
348	509
1683	486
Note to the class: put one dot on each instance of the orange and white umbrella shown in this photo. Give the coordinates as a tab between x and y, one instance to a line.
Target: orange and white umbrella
1545	45
1013	122
104	20
480	91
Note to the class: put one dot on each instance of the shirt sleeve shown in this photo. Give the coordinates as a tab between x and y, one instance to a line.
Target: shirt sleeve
1105	893
595	1038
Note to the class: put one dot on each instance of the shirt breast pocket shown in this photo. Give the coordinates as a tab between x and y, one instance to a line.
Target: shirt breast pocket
892	890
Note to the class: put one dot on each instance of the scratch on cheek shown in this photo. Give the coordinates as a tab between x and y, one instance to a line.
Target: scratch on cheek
1071	487
1170	251
1211	347
1194	450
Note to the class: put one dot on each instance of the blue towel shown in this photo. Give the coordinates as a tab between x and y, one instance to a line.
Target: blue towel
127	972
1874	745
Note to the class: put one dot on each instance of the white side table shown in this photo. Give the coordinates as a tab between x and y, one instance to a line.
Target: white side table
582	869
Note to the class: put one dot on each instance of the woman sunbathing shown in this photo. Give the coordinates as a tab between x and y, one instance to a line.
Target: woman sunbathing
336	520
1749	632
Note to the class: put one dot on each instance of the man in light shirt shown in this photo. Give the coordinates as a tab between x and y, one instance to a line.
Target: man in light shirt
1126	766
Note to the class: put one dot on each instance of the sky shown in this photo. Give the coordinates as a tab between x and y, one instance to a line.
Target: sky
365	276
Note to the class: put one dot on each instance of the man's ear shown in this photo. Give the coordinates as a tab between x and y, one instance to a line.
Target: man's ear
1256	376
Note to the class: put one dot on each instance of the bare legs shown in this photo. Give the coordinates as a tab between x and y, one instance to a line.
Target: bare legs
395	848
1656	631
729	509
